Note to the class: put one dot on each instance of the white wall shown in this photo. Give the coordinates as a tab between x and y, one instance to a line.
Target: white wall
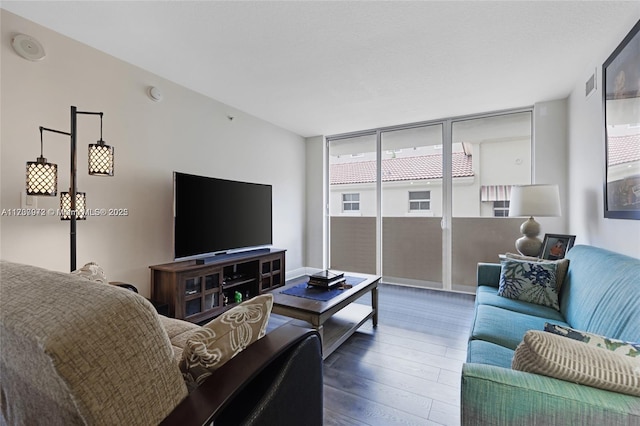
550	159
504	163
185	132
586	167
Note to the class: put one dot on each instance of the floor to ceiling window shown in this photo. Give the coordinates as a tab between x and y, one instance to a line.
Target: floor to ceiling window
422	204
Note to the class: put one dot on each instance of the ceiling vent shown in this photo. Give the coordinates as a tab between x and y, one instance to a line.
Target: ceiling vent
590	85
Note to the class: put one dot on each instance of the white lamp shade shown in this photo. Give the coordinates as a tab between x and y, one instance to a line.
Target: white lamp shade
534	200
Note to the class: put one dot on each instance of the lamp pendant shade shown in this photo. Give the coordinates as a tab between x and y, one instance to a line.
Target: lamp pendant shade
65	206
42	177
100	159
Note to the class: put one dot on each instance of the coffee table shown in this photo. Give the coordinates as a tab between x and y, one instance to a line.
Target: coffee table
337	318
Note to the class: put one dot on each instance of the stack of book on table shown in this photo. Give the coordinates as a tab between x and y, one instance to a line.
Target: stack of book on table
327	279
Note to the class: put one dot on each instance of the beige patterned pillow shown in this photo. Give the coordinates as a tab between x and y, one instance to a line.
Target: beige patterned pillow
92	272
567	359
214	344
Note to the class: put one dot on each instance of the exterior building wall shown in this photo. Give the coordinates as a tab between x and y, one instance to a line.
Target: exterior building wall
494	163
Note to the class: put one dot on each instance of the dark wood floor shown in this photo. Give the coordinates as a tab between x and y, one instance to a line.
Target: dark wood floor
407	370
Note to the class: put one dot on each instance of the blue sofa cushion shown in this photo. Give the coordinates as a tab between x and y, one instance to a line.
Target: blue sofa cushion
482	352
504	327
487	295
600	293
533	282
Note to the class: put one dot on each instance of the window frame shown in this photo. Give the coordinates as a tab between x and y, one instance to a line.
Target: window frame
350	202
504	208
420	201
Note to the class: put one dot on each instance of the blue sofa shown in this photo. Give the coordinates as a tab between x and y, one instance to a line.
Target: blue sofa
600	295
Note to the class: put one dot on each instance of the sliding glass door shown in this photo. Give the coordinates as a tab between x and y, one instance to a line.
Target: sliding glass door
411	202
353	204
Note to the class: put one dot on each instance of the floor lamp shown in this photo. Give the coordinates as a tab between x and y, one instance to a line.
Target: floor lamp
42	176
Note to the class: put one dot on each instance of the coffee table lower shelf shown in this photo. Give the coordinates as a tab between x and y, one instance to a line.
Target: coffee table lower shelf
337	329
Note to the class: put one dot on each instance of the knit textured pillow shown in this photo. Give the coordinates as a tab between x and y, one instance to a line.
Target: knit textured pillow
567	359
533	282
214	344
618	346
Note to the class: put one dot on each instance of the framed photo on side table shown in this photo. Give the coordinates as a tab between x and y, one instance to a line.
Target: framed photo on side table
555	246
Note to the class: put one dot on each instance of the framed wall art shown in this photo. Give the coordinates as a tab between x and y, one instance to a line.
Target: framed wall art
621	98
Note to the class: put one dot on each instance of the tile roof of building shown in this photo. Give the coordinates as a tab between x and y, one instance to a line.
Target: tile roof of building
400	169
623	149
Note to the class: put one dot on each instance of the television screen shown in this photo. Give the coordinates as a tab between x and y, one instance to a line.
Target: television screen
215	215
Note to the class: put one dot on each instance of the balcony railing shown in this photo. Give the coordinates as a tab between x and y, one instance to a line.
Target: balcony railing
412	247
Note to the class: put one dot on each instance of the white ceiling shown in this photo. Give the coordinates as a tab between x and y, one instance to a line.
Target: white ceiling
331	67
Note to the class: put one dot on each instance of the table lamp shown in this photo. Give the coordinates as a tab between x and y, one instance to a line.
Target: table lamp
533	200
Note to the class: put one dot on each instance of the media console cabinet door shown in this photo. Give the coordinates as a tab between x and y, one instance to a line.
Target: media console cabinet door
272	272
201	291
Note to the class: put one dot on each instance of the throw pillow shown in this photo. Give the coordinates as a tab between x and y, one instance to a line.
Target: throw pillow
566	359
533	282
208	348
618	346
92	272
522	257
562	265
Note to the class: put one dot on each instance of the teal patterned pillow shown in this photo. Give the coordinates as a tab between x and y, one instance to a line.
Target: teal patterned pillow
613	345
533	282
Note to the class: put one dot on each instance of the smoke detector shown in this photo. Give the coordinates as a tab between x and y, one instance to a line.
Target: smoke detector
154	93
28	47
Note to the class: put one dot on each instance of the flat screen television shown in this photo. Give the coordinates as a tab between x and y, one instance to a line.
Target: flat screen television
213	215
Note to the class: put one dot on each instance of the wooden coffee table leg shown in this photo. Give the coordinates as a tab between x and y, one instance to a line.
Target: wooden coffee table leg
319	328
321	332
374	306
